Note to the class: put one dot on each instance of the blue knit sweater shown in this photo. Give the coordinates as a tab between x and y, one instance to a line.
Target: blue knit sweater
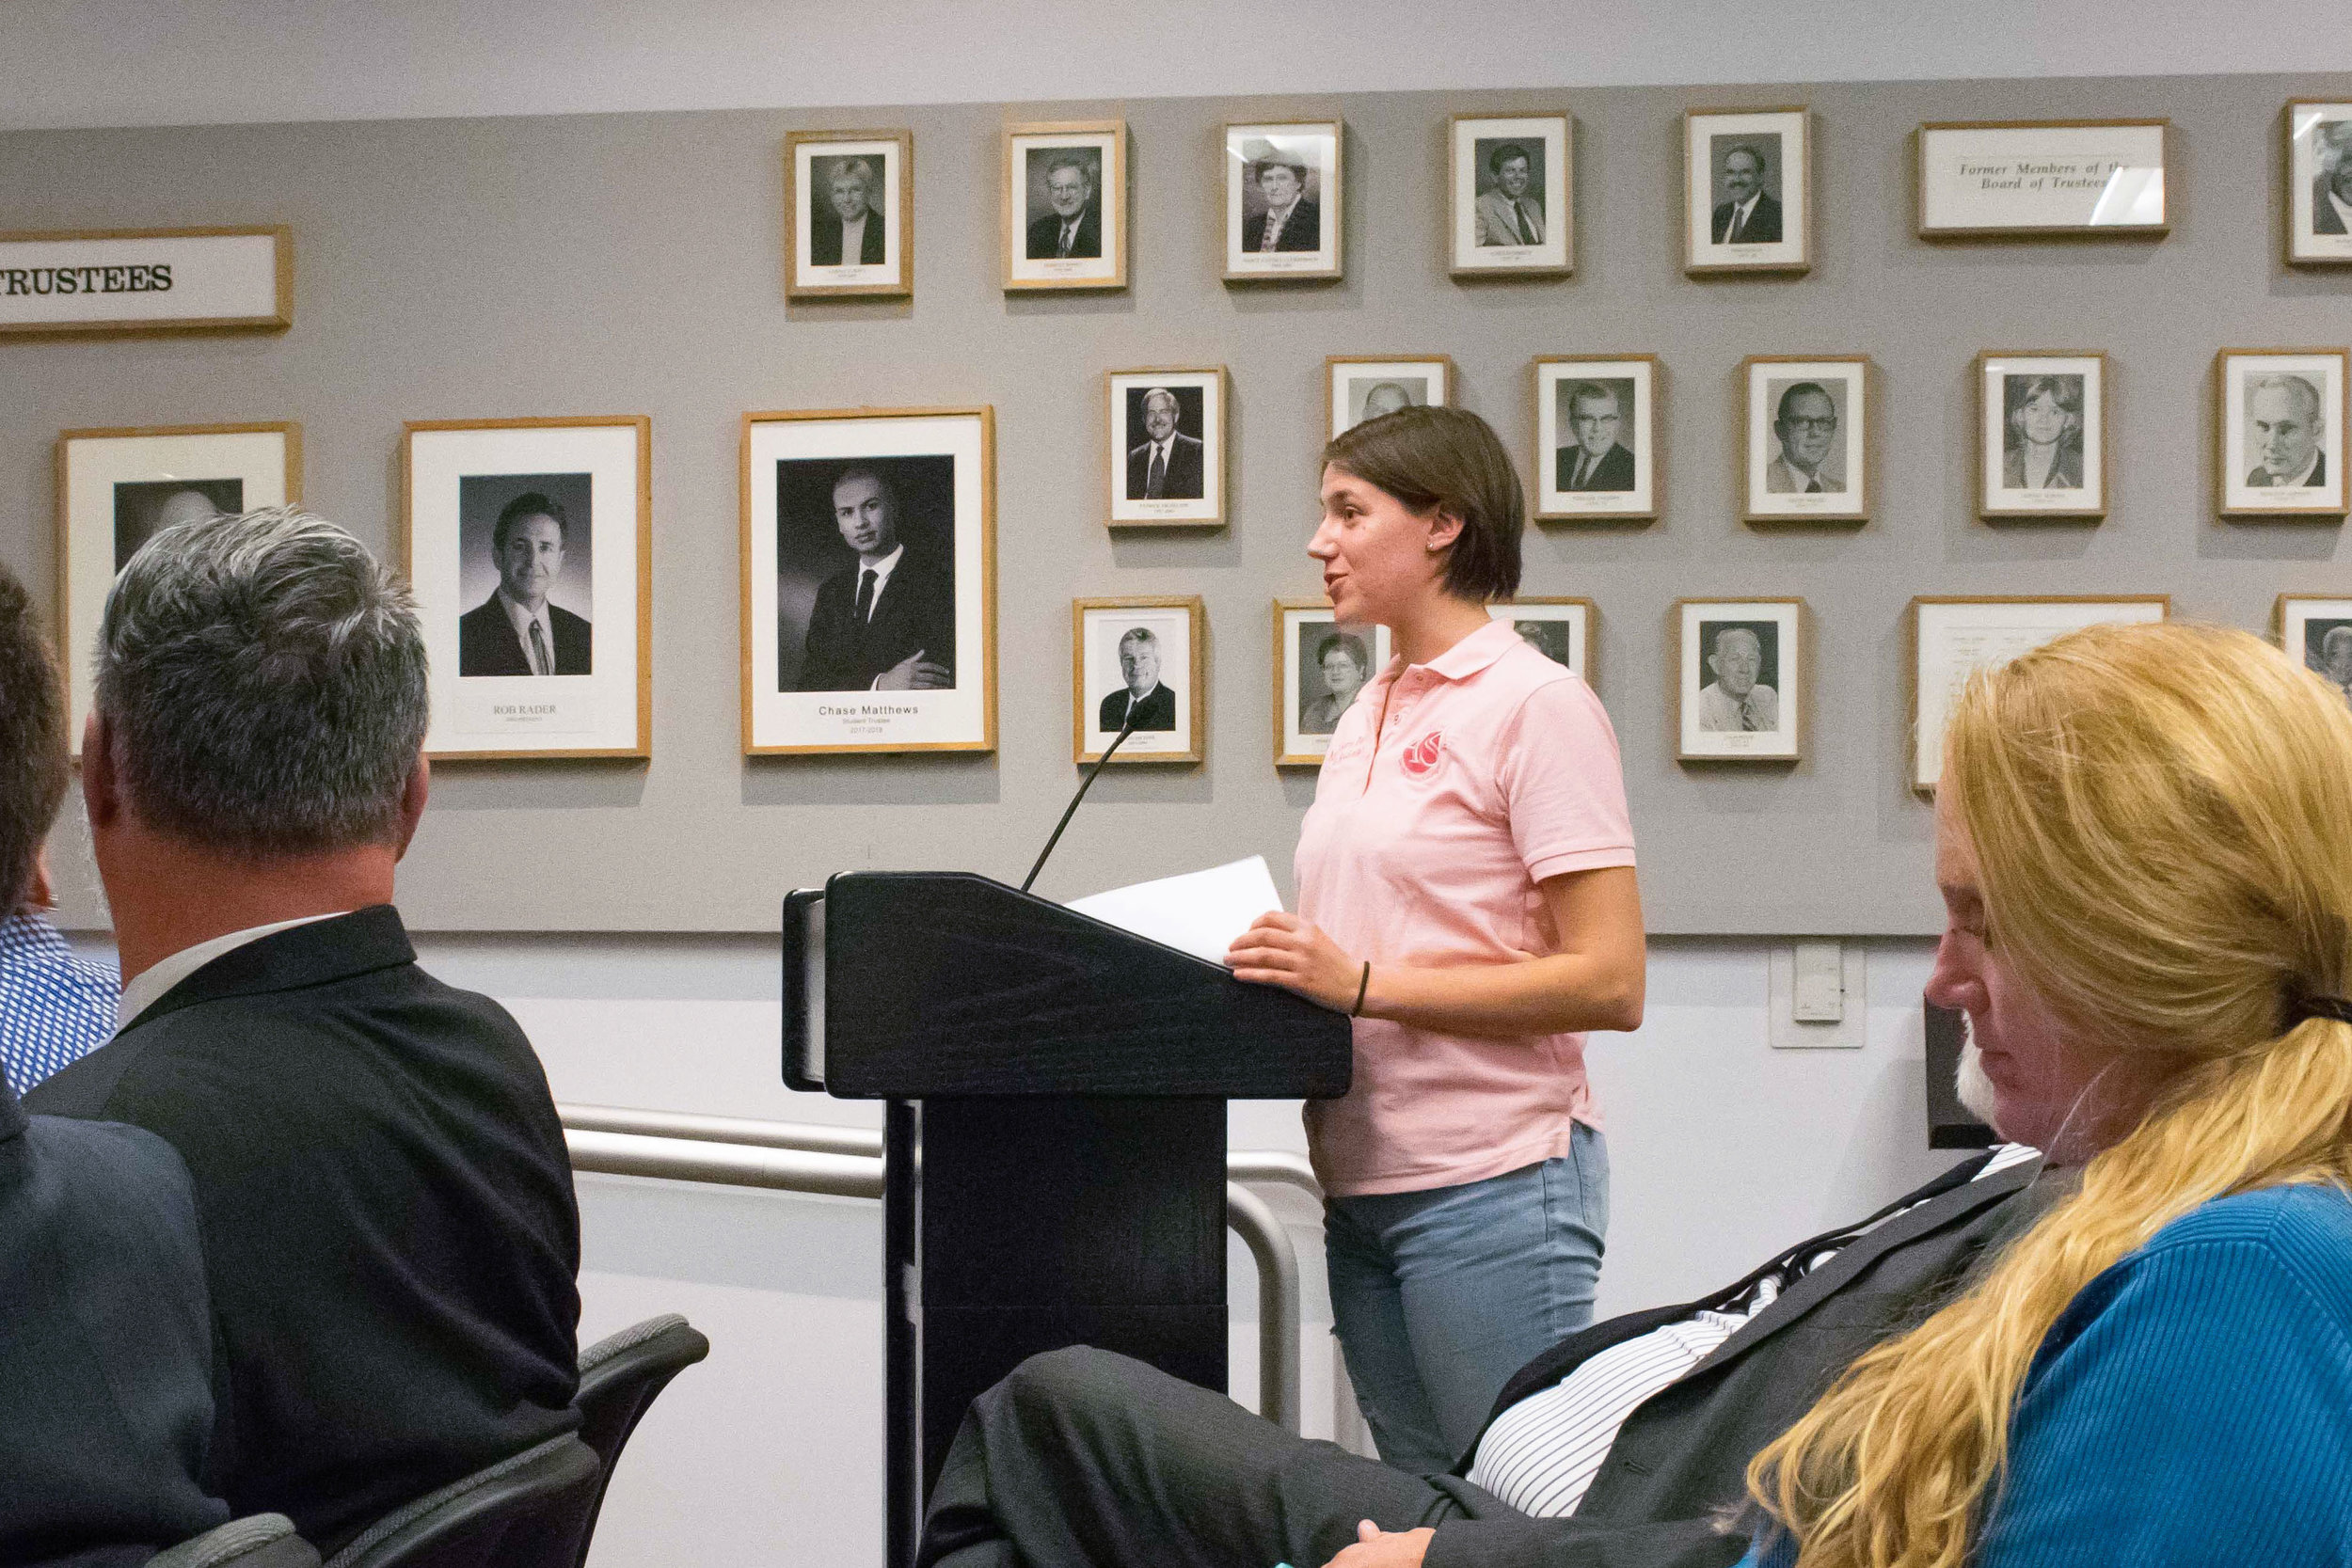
2193	1405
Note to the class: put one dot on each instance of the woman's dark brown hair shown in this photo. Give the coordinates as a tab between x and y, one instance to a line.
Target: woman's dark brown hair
1448	459
33	764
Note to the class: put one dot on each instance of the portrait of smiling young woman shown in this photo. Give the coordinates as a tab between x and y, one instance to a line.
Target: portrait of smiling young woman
1467	892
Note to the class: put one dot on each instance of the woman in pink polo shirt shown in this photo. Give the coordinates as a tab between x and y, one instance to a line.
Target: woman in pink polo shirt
1466	891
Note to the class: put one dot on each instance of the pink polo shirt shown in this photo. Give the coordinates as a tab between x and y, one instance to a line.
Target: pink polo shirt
1494	769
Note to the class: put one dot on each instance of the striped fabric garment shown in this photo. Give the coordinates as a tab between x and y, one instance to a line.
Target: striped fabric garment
54	1007
1540	1455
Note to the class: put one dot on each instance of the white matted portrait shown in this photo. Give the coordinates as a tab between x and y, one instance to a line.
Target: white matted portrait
1165	456
849	204
1357	388
1282	193
1138	665
119	488
2319	182
1807	447
1747	196
1740	689
1065	205
1319	668
528	546
2042	429
1951	639
868	540
1561	629
1596	437
2317	633
1510	211
2282	440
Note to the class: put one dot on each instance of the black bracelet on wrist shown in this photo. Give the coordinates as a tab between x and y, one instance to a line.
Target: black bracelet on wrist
1362	986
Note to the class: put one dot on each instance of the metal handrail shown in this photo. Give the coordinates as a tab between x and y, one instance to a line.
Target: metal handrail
799	1157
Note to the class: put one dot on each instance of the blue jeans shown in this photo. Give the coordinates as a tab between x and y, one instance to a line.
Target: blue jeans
1438	1296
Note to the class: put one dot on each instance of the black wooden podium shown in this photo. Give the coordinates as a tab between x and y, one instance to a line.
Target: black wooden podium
1055	1143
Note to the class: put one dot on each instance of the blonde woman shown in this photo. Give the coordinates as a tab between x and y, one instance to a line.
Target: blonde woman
2144	843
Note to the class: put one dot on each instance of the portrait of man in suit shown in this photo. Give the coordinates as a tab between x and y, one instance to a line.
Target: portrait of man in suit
1748	213
1166	465
2328	650
1596	456
1290	220
2283	433
1738	698
517	631
1805	422
1141	694
2331	188
886	620
845	226
1073	227
1512	211
146	507
2043	443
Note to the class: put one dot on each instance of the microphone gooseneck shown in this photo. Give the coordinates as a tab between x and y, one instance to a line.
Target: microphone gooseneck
1084	784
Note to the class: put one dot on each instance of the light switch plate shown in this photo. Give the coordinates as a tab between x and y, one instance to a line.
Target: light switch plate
1850	1033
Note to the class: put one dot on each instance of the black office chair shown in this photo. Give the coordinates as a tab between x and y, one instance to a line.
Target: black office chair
257	1541
525	1512
618	1379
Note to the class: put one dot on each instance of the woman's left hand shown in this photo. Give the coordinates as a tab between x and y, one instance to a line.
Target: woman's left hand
1283	950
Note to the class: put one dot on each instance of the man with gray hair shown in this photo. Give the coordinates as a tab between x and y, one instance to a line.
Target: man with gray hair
1141	700
2282	428
380	1178
1166	465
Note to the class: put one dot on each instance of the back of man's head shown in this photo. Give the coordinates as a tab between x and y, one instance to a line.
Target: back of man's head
261	679
32	741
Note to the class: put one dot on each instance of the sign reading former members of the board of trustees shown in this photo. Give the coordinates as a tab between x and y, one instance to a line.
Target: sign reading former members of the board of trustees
148	281
2031	179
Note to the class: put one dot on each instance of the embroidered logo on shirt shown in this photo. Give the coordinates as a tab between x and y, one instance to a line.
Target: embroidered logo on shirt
1422	758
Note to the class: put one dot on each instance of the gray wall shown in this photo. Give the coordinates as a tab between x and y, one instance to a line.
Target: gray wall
629	264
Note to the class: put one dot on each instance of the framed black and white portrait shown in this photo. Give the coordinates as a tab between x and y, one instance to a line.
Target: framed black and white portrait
119	488
2319	182
1065	205
1512	210
1360	387
530	547
2041	436
1741	681
1561	629
1952	639
1747	185
870	581
1138	665
2281	438
1596	437
2318	633
1319	667
849	203
1166	457
1808	447
1282	193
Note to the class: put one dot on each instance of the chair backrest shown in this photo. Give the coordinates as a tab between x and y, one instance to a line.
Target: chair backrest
618	1379
256	1541
525	1512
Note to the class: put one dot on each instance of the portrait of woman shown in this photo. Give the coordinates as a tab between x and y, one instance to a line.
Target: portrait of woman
2041	436
1345	664
2043	448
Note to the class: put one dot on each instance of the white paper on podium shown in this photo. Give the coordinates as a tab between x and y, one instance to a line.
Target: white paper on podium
1200	913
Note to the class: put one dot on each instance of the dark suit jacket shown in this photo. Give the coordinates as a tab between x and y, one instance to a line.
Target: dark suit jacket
2323	219
1763	223
1046	236
824	238
915	612
2260	478
487	643
386	1205
1683	1454
1186	469
105	1345
1158	711
1614	471
1304	231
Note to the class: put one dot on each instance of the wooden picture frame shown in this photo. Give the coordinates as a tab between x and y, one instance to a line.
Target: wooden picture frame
2318	160
1774	476
1487	223
1762	723
1203	396
1358	386
1304	723
1174	731
886	267
225	281
810	695
2019	394
1317	148
1569	487
116	487
2315	491
1575	645
474	493
1764	234
2021	193
2316	630
1033	228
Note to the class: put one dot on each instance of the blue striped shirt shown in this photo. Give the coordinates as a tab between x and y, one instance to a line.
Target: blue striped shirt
54	1007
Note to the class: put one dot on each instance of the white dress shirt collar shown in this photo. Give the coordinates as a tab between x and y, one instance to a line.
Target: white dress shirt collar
2343	209
881	570
2302	476
521	619
153	982
1740	213
853	240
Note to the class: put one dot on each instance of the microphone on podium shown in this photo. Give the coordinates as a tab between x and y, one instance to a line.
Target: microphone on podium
1084	784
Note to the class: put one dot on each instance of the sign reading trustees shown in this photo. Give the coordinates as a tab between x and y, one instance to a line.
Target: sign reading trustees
148	281
2034	179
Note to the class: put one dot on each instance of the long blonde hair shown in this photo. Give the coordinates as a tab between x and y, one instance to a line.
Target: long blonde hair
2162	819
